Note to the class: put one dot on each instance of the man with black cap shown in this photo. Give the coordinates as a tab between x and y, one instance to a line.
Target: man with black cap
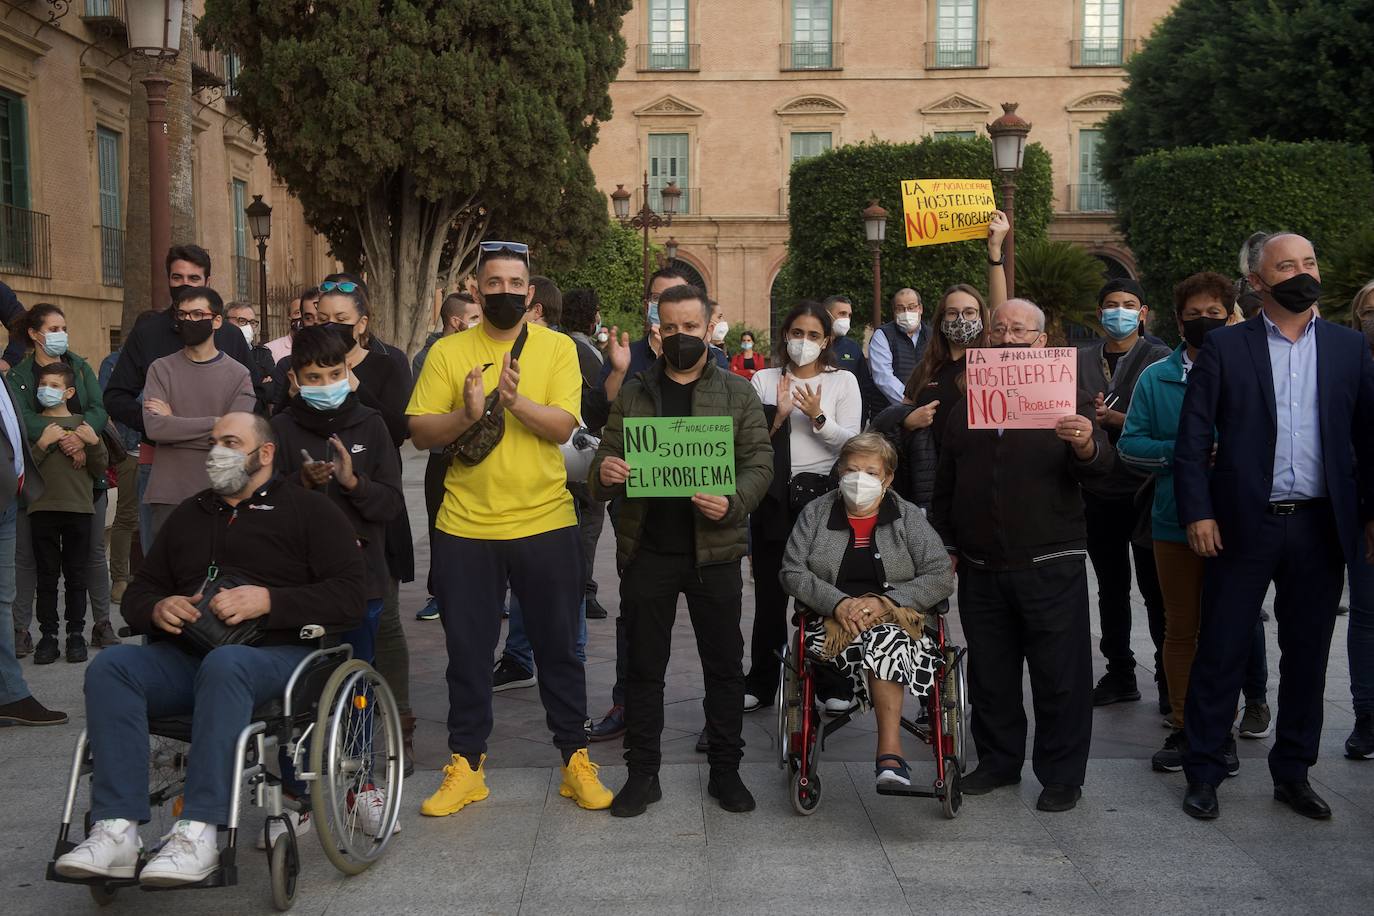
1107	373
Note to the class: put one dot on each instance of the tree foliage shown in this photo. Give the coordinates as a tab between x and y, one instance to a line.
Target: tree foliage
1063	279
1191	209
827	251
411	129
1228	71
1347	264
615	269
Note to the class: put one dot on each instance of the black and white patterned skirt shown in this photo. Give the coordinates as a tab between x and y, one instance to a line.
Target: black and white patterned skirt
886	651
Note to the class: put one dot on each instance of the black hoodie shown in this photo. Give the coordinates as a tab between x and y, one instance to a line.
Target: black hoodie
377	498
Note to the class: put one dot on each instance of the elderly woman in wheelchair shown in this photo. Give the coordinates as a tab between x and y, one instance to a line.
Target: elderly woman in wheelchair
864	565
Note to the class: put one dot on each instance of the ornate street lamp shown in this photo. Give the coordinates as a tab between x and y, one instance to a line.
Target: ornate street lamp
260	225
875	230
670	249
1008	135
155	33
647	218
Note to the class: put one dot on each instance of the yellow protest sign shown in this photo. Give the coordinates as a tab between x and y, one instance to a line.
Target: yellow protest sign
940	210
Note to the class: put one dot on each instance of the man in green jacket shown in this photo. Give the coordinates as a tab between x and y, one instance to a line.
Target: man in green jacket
684	545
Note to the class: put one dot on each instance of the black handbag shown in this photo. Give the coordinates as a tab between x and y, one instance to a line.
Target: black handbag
807	486
481	438
208	632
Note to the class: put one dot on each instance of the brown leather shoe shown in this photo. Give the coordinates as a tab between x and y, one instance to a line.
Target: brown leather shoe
29	711
103	636
23	643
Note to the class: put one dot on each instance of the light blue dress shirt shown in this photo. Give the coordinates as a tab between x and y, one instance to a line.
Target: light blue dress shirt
1298	469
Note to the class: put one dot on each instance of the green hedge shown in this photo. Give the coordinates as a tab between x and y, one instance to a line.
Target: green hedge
615	269
1190	209
827	253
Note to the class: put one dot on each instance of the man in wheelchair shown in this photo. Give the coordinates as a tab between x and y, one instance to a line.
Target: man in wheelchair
249	526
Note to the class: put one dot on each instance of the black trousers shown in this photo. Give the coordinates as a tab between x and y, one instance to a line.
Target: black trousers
649	590
1036	618
545	573
591	517
770	618
436	467
61	549
1110	526
1301	554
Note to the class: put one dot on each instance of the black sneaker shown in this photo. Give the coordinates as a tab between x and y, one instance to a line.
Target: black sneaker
982	781
703	743
726	787
1169	758
47	651
594	609
1115	688
1360	744
1058	798
430	611
1232	758
510	674
76	647
638	793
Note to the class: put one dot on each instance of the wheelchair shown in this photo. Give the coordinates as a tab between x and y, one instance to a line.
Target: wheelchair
337	716
802	732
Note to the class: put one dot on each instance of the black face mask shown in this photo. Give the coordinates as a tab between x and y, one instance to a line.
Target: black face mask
195	333
1195	330
345	332
503	310
1004	345
683	351
1298	293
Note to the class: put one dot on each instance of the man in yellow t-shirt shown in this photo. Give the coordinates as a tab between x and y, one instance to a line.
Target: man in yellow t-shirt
510	519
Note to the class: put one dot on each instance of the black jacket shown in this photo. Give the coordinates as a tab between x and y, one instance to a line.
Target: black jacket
377	499
151	339
917	459
294	542
1012	501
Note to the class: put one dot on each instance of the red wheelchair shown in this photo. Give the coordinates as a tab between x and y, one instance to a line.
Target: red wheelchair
802	731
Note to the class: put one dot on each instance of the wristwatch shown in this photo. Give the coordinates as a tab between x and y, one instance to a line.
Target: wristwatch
819	421
999	262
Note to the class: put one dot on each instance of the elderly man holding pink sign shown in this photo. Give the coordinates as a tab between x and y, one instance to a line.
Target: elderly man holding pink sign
1009	508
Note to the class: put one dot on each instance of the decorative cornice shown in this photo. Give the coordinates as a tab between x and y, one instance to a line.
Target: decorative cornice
957	103
106	80
669	106
21	43
1096	101
812	104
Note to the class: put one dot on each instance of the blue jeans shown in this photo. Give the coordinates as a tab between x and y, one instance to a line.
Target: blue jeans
127	685
518	648
1360	642
12	686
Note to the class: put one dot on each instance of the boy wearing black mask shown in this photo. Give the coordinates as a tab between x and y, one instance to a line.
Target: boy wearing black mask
184	395
681	545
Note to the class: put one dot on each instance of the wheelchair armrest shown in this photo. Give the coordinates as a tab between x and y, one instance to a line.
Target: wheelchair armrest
940	609
327	655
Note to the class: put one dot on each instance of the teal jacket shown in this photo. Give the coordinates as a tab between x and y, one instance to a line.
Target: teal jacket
1147	440
90	400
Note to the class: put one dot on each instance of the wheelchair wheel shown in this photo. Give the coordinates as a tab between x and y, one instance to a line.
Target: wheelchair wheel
789	706
102	894
954	698
355	748
953	799
284	865
806	798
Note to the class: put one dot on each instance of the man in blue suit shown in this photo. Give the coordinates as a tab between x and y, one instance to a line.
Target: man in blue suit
1288	400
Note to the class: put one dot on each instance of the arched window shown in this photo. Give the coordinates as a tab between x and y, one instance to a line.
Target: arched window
692	275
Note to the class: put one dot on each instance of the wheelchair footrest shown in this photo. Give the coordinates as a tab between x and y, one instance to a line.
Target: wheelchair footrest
892	788
52	875
224	876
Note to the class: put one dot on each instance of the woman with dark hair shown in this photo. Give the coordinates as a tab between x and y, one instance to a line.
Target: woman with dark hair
813	409
747	361
43	331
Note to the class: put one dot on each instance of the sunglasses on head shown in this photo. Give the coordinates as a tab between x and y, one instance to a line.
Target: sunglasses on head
492	249
343	286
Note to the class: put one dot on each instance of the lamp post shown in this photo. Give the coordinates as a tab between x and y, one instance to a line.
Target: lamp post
155	33
875	229
260	224
1008	135
647	218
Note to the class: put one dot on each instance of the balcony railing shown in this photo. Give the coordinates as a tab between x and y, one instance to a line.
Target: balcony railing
107	13
689	204
957	55
207	64
667	56
232	67
1100	52
111	256
1091	198
812	55
246	279
25	242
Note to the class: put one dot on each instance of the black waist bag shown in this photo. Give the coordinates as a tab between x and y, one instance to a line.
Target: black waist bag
209	632
481	438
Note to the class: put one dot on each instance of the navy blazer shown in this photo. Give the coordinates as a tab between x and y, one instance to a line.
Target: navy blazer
1231	391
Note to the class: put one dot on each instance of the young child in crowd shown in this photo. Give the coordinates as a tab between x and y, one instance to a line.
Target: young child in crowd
60	519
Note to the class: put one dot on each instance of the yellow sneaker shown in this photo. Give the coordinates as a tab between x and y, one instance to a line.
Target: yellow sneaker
462	786
581	784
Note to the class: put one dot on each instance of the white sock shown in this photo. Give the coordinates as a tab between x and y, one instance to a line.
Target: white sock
197	829
120	825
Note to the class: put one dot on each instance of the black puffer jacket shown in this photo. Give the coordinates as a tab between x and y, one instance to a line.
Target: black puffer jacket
916	455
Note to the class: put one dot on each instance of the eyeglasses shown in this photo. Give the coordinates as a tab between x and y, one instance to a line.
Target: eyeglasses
491	249
1015	331
343	286
197	315
246	322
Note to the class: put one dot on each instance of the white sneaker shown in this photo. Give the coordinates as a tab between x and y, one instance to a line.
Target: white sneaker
189	854
111	851
836	706
300	824
369	807
751	702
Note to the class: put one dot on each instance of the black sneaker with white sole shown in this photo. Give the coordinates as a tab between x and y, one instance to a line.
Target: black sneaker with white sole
1360	744
510	674
1169	758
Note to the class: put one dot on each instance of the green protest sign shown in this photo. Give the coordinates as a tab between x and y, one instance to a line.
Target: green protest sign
680	456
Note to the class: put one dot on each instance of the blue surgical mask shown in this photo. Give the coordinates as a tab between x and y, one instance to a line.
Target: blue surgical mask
326	397
55	343
1120	323
51	397
653	311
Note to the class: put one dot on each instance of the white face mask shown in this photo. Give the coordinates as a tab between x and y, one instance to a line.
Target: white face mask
228	469
803	352
860	490
721	329
247	333
908	321
840	326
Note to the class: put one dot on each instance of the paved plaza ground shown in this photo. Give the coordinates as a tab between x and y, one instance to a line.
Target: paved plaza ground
1127	848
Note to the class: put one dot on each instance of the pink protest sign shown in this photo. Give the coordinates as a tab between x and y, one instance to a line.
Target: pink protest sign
1021	387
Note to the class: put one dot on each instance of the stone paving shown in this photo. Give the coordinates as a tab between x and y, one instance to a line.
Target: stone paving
1127	848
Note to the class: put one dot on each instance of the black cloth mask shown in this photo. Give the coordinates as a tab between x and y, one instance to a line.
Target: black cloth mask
195	333
1195	330
344	331
503	310
683	351
1298	293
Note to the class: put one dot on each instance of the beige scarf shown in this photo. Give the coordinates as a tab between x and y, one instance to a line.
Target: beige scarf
837	638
